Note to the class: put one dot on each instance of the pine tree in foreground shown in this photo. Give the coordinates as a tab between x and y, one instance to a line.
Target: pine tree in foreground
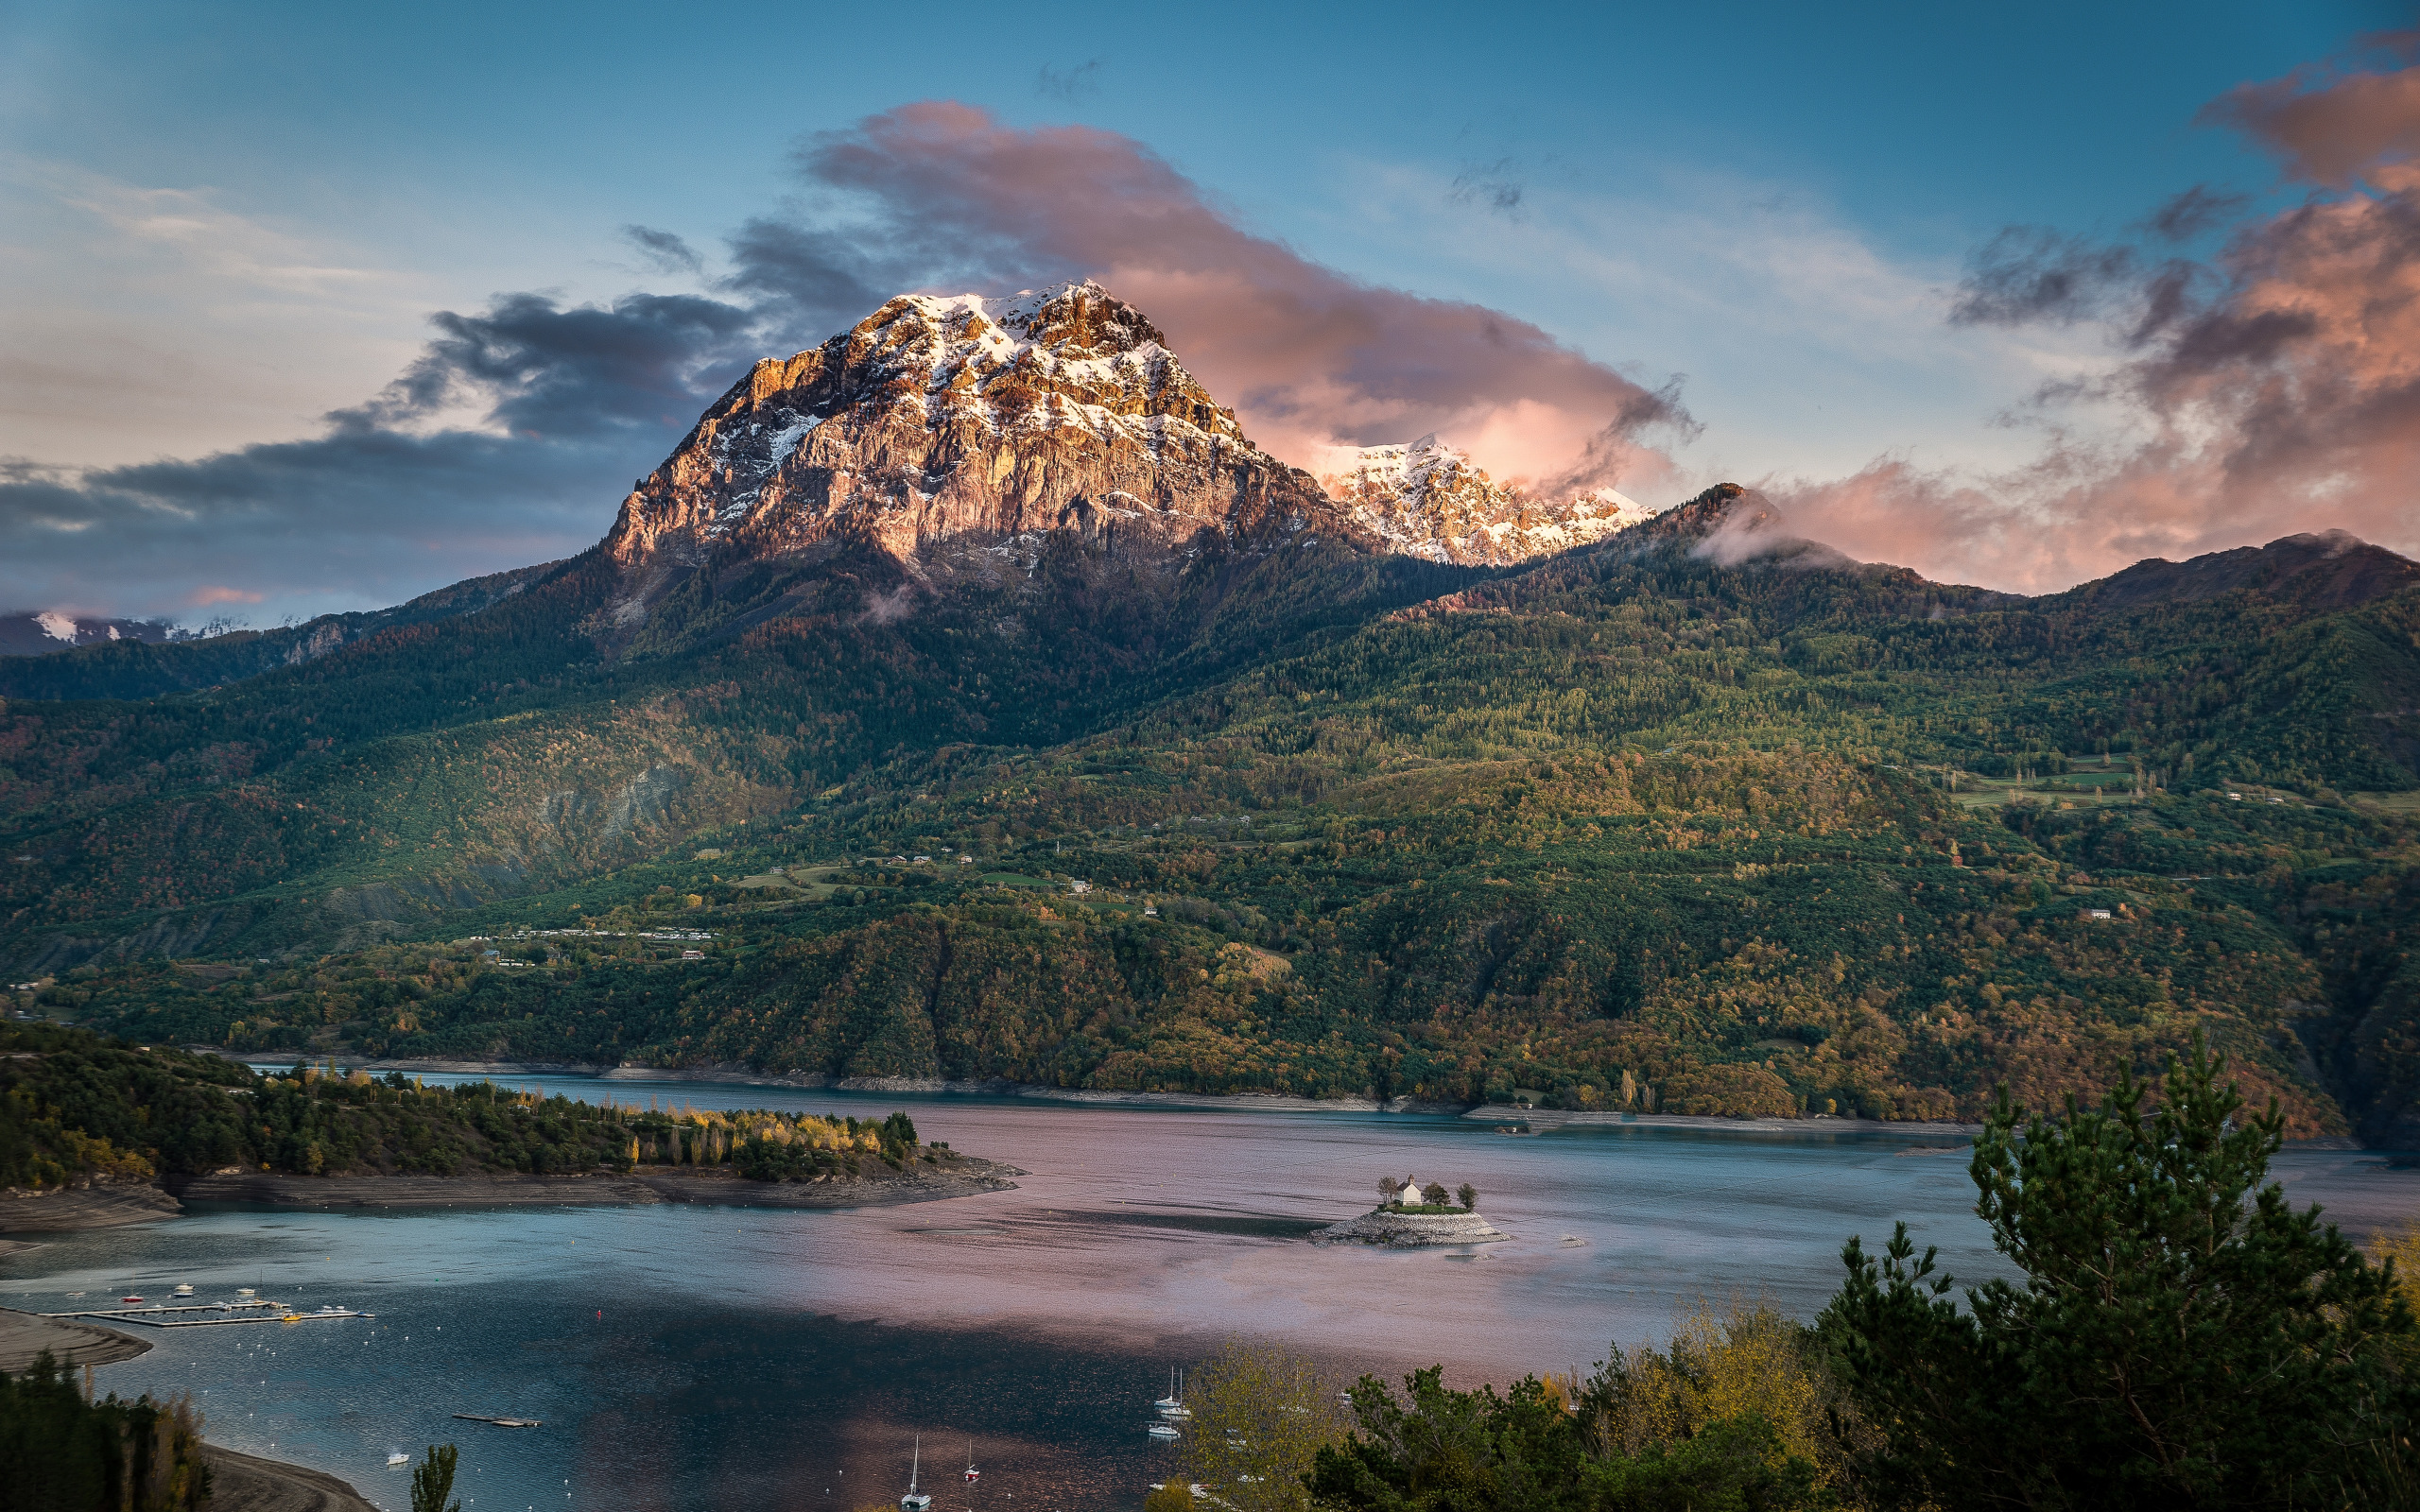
2181	1337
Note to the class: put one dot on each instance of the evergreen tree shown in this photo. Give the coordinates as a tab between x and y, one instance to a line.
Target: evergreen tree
2182	1337
433	1481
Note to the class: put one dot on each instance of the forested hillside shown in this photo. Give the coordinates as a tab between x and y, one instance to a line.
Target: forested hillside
1630	827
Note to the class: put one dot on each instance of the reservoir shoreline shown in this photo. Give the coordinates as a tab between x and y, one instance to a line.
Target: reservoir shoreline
733	1074
1498	1113
104	1206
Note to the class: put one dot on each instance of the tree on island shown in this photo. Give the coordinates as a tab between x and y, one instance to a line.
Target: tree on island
1434	1194
1387	1189
2182	1337
433	1481
1469	1195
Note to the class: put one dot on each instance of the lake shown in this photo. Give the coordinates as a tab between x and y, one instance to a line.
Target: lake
688	1357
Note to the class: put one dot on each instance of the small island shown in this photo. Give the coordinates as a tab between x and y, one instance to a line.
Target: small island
1412	1217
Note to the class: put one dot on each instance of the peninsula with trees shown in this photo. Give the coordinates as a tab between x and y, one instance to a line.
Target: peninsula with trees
96	1131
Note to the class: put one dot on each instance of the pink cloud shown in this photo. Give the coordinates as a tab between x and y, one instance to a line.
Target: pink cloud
2272	390
2337	132
1310	358
205	597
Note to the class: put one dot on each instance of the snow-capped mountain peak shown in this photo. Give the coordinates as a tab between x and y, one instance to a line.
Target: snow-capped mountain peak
1425	498
967	417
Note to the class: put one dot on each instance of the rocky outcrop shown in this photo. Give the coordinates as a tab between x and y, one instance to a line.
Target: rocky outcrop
1429	500
1411	1230
970	422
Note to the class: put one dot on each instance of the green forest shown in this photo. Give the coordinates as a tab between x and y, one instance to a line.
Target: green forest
1629	828
76	1107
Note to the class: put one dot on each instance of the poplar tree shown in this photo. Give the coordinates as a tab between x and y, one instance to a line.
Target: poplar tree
433	1481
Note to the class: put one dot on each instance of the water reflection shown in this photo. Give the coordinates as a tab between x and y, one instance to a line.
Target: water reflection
688	1357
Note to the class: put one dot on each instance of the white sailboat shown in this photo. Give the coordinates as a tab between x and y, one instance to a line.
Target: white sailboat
916	1501
1172	1406
1170	1399
971	1473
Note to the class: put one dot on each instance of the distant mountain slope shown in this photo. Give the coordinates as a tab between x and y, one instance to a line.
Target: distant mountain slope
2328	571
146	666
47	632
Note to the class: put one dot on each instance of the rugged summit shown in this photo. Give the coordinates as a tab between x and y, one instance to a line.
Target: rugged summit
974	423
1429	500
947	430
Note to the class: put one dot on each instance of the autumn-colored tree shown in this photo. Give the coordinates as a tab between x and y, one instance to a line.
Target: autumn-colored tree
1260	1414
1173	1496
1739	1360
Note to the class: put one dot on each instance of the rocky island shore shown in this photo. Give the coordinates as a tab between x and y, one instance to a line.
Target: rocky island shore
1412	1217
1406	1231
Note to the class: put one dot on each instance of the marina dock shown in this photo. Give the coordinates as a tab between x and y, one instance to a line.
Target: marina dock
173	1315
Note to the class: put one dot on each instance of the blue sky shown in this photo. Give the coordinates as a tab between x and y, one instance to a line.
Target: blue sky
219	223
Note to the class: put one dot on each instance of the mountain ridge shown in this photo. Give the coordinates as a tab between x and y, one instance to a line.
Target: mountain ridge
1682	817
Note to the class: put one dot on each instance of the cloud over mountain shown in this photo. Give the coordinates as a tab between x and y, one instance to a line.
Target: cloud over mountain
518	426
2271	387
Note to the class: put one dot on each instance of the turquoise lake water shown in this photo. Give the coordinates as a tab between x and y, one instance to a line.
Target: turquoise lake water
708	1357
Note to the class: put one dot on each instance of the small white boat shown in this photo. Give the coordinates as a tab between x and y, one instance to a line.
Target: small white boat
916	1501
971	1473
1161	1430
393	1460
1173	1405
184	1291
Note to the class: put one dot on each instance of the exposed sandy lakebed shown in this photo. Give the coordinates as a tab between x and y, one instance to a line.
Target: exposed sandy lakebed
105	1207
956	1176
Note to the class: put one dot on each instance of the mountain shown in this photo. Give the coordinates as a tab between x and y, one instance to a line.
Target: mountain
1429	500
146	666
43	633
2328	570
1697	816
956	435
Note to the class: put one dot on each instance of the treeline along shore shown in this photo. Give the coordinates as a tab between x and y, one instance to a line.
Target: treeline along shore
95	1132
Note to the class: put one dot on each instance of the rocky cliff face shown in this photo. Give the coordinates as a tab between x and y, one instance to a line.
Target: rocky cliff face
1429	500
976	424
961	433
